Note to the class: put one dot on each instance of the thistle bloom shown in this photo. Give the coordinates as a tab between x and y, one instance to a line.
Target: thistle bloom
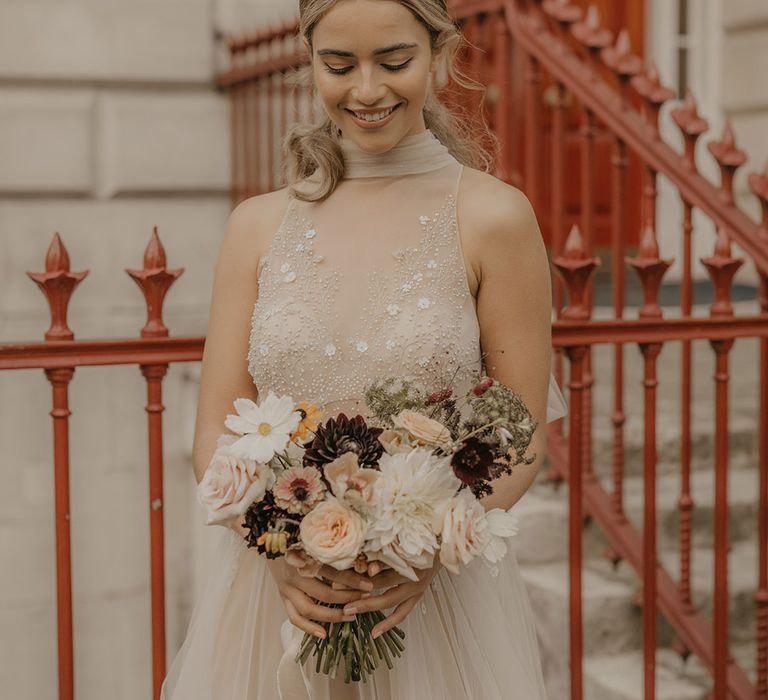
265	427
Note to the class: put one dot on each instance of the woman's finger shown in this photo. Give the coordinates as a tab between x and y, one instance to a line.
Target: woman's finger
321	591
396	617
310	610
392	596
302	623
348	577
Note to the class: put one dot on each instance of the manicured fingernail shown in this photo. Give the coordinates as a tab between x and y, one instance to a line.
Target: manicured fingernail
349	618
365	595
367	585
320	634
350	611
376	634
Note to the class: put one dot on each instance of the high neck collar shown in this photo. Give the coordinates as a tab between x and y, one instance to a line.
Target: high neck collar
417	153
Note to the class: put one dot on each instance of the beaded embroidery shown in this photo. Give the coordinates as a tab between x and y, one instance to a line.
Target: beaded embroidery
417	320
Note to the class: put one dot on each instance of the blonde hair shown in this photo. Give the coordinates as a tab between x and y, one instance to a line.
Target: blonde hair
311	147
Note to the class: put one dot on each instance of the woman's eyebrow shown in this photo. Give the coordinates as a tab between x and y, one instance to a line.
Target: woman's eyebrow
376	52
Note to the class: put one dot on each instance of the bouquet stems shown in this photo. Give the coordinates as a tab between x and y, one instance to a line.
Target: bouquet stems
352	641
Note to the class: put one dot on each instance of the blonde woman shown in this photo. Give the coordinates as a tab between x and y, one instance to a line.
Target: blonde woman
392	251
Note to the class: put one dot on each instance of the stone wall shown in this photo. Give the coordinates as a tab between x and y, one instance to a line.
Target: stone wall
110	124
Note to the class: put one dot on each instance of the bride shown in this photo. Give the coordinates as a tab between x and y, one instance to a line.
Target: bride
392	251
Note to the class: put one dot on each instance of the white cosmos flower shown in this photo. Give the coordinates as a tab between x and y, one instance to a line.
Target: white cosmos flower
501	524
411	495
265	427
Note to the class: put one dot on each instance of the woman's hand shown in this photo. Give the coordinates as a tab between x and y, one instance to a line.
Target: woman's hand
300	592
402	593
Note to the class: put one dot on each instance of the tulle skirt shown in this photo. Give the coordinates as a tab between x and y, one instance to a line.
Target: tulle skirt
472	636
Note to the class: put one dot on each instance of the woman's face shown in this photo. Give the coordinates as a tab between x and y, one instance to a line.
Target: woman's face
371	56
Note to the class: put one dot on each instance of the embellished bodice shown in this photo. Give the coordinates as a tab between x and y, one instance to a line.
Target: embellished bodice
368	283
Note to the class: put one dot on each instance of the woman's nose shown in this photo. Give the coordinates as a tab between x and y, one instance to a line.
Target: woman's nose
368	89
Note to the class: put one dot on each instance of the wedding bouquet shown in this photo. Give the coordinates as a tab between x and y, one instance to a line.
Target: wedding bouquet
346	492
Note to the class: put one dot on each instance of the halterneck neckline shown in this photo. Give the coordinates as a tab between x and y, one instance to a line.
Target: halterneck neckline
416	153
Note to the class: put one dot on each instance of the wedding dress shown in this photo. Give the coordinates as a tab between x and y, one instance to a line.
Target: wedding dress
369	283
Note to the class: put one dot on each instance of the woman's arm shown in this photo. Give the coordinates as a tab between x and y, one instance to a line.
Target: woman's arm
224	373
514	303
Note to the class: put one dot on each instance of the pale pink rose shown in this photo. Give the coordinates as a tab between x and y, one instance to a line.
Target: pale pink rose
231	484
394	442
350	483
423	430
333	534
304	564
465	533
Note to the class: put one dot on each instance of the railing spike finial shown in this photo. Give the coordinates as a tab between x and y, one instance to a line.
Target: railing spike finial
691	125
575	268
564	13
654	94
722	267
758	183
729	157
650	268
592	37
154	281
624	64
58	284
592	20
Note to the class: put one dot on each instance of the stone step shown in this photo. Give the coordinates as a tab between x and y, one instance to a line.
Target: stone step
742	444
620	676
612	621
543	515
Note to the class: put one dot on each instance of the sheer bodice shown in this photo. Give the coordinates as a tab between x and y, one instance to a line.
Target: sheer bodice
370	282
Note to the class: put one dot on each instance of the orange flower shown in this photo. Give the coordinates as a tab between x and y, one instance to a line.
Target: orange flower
309	422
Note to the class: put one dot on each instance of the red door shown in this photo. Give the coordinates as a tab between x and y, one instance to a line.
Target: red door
613	16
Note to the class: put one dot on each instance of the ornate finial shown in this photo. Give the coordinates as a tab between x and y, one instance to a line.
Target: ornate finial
729	157
650	269
562	11
691	125
154	280
722	267
589	33
654	94
620	59
58	284
576	269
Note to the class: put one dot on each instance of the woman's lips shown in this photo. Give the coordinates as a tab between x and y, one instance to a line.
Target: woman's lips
377	124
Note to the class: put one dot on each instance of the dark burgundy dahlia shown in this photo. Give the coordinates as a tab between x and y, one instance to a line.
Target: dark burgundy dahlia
341	434
472	463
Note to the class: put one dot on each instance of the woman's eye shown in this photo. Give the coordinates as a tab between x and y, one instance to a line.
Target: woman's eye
343	71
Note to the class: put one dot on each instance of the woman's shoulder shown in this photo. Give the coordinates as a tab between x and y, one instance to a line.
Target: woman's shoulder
253	222
493	215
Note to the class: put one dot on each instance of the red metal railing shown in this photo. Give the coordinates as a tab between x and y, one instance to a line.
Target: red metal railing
521	46
542	41
59	356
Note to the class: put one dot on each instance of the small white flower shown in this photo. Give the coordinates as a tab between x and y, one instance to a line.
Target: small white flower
264	348
391	344
424	303
424	219
300	247
290	276
407	287
285	267
330	349
311	233
361	346
432	264
423	361
417	277
265	427
318	258
393	309
398	253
